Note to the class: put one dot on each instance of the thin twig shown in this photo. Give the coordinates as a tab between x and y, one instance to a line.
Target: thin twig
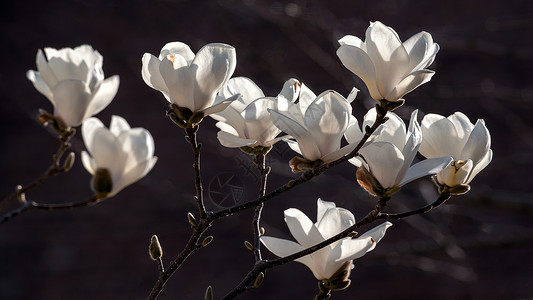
31	205
442	198
54	169
261	165
191	138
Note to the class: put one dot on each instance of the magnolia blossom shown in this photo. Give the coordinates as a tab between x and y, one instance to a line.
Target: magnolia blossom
120	154
188	80
389	157
73	80
389	68
247	122
330	221
316	123
456	136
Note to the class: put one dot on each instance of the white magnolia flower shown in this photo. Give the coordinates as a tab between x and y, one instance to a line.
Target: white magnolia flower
127	154
456	136
390	156
247	122
330	221
389	68
188	80
73	80
316	123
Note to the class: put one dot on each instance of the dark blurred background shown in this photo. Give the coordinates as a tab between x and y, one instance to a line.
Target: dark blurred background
477	246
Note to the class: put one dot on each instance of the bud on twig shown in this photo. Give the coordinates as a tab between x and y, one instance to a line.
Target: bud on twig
249	245
207	240
192	219
259	280
156	252
208	293
69	161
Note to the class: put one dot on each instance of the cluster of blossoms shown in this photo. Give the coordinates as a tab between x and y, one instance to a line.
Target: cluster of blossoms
314	126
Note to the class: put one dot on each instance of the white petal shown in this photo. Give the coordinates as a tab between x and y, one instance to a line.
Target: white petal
88	162
151	74
302	228
321	208
231	141
258	120
103	95
385	161
462	124
426	167
220	106
244	86
213	65
281	247
39	84
334	221
44	70
133	175
353	133
409	83
326	119
290	90
439	137
478	143
410	149
177	49
358	62
118	125
388	55
306	98
179	79
71	98
137	146
304	138
480	166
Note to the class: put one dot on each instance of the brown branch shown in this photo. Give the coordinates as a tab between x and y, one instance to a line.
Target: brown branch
54	169
442	198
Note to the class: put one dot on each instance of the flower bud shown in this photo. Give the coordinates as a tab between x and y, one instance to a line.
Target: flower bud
69	162
156	252
249	245
456	173
208	293
102	183
299	164
207	240
259	280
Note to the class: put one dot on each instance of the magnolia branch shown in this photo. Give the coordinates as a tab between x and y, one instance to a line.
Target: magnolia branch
54	169
31	205
442	198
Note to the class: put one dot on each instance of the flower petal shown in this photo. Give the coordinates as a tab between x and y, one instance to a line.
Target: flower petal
246	87
71	98
302	228
409	83
88	162
478	143
213	65
134	174
385	161
103	95
151	74
358	62
334	221
426	167
118	125
304	138
229	140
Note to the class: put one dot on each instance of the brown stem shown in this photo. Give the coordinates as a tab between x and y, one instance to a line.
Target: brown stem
31	205
442	198
54	169
191	138
261	165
